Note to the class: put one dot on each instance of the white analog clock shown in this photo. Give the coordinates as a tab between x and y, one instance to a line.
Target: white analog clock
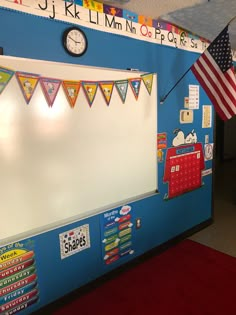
209	151
75	41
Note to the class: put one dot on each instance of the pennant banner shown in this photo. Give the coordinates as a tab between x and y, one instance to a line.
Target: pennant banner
50	89
148	80
90	90
5	77
28	83
106	89
135	85
50	86
71	89
122	88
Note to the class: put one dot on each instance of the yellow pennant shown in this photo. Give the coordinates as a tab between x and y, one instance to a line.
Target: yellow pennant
106	89
5	76
148	80
28	83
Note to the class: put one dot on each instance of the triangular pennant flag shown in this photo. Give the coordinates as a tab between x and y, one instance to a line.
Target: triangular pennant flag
107	88
122	88
135	85
28	83
148	80
5	76
90	90
50	89
71	89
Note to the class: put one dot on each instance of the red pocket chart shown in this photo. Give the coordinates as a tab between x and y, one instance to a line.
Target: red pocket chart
183	168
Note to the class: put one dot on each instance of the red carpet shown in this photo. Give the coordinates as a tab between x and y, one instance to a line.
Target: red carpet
187	279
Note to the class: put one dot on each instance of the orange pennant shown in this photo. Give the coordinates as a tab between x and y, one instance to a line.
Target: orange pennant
71	89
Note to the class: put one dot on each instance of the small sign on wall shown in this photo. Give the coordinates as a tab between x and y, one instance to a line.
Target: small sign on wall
206	116
74	241
193	97
186	116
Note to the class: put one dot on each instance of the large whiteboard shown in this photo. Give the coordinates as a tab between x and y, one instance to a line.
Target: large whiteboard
61	164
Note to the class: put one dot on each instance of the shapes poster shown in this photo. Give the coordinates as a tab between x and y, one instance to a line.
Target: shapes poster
18	277
74	241
116	233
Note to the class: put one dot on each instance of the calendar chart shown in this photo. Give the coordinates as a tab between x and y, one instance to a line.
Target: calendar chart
183	169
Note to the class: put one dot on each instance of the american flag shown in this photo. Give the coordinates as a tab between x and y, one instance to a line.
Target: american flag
215	72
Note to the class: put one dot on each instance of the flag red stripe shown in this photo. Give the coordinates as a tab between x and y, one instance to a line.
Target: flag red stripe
216	86
231	77
221	80
215	72
222	99
212	88
209	93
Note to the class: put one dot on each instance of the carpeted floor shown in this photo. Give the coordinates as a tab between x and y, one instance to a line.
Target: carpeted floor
188	279
221	235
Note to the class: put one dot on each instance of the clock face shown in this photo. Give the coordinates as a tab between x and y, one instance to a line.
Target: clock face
75	41
208	151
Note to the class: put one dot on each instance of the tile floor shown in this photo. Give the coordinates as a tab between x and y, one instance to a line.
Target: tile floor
221	235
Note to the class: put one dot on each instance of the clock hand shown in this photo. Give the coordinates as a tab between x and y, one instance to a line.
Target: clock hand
71	38
74	40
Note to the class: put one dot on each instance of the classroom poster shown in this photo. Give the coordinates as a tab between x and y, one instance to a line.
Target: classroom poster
161	144
74	241
193	99
116	234
18	277
206	116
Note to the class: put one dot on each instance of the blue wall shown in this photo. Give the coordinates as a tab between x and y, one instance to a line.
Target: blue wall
39	38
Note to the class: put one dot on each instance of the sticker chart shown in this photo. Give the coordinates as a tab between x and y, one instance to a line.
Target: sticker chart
68	154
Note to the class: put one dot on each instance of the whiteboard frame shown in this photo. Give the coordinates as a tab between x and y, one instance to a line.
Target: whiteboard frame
15	64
